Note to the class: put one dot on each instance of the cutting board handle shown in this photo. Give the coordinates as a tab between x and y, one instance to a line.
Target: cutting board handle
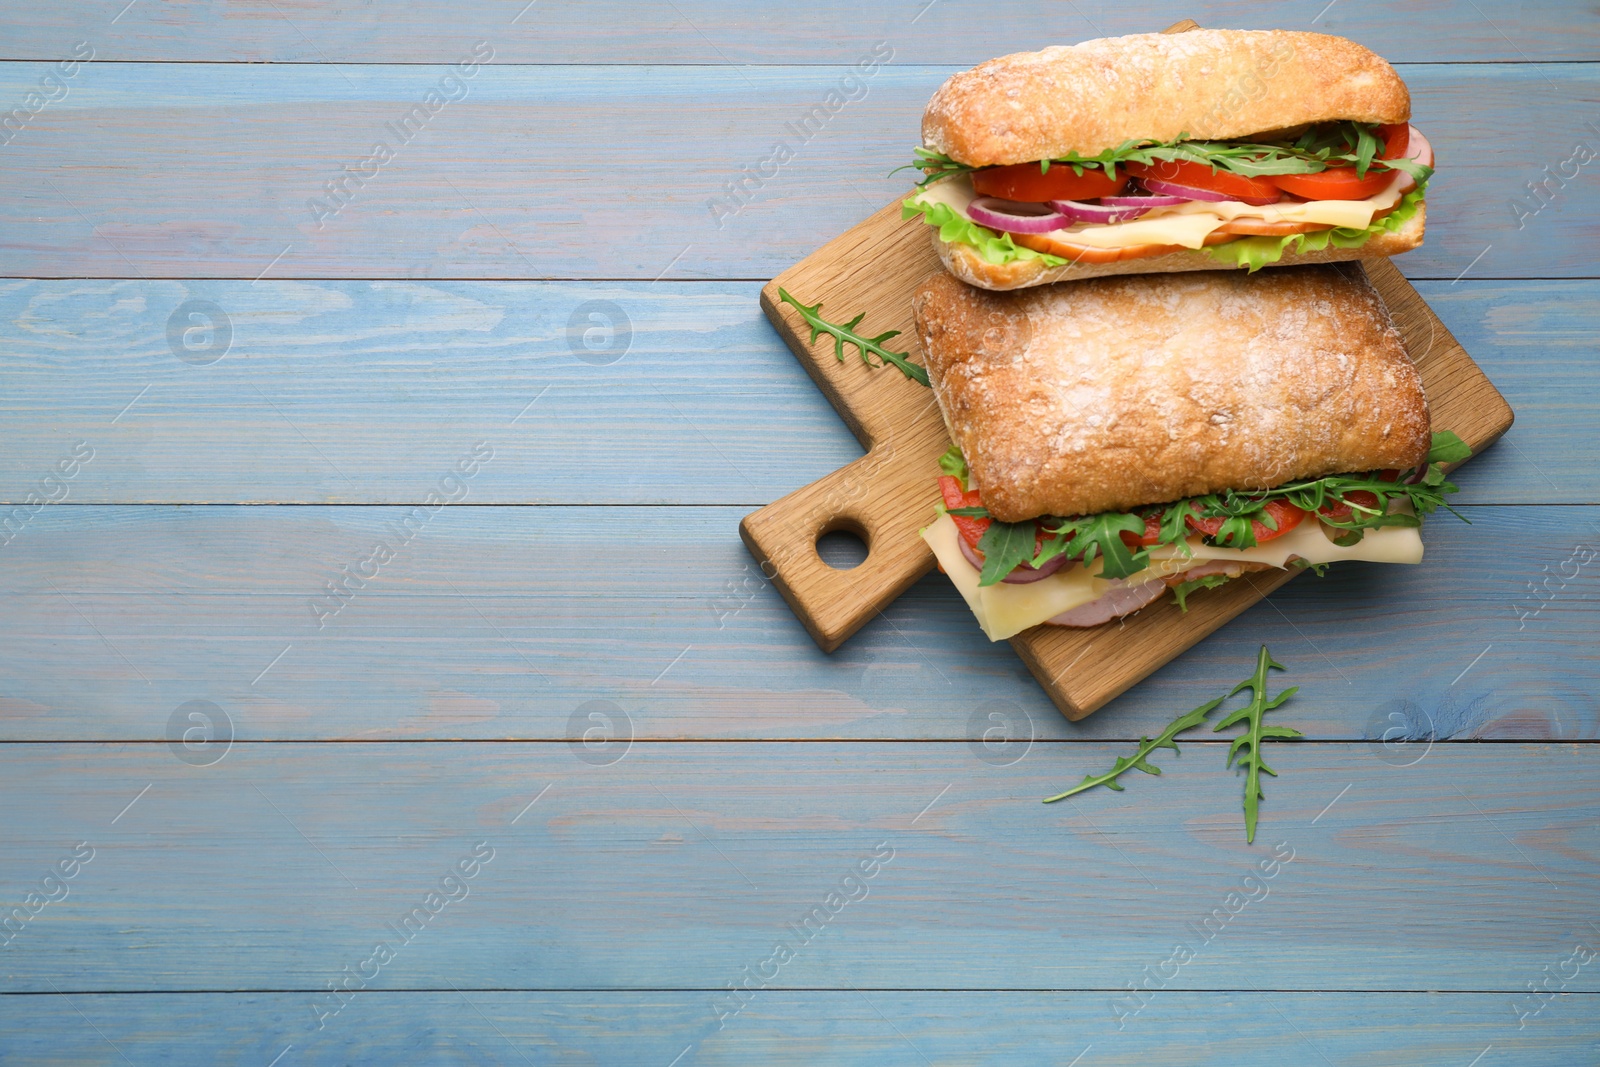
884	498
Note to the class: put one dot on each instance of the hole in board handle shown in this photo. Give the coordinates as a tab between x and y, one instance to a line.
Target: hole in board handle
844	544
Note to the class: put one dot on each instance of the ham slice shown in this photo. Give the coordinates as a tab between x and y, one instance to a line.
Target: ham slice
1125	599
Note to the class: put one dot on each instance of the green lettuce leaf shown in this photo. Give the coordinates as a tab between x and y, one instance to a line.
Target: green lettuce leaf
1253	253
954	464
993	247
1181	591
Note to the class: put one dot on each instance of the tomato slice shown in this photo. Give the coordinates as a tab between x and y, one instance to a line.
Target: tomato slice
1336	183
1285	514
971	529
1151	535
1341	511
1341	183
1024	182
1200	176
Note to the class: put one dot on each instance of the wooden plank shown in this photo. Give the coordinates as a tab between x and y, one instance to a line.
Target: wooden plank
716	31
506	622
281	864
181	170
886	496
886	1028
358	392
370	392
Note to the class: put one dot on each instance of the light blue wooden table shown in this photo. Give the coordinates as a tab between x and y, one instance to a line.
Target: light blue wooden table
486	719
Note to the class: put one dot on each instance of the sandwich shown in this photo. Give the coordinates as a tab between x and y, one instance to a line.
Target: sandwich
1120	438
1156	153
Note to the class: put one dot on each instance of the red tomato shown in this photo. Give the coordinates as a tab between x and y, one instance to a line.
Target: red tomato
1151	535
1024	182
1335	183
971	529
1200	176
1341	183
1342	511
1284	513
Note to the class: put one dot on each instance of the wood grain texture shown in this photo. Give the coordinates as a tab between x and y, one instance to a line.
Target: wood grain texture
874	1028
345	391
188	171
497	623
888	495
719	31
367	392
681	863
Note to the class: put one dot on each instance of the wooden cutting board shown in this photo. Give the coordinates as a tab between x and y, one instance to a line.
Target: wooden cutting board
889	494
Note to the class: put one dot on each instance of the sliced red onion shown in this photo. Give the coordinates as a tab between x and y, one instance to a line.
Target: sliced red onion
1082	211
1023	574
1148	200
1015	217
1189	192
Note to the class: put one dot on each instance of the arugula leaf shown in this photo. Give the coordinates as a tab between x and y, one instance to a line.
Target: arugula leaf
1004	545
1247	746
1139	760
1093	535
1174	527
934	165
954	464
1332	144
1181	591
846	334
1448	448
1088	537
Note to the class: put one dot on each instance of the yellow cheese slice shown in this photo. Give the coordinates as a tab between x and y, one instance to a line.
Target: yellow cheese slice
1006	610
1186	225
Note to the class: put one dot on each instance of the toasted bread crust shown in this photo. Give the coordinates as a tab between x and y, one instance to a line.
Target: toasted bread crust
966	263
1114	393
1204	84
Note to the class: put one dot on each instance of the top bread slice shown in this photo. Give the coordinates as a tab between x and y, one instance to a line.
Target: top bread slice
1214	85
1114	393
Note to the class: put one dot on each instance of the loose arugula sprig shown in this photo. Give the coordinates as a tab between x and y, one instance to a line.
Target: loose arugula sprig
1247	743
1099	536
1333	144
1256	731
845	333
1138	761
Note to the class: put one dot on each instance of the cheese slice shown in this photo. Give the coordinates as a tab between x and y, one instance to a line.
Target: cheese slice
1188	224
1006	610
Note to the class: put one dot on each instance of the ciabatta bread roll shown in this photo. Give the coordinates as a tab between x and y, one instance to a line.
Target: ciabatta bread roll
1151	153
1115	393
